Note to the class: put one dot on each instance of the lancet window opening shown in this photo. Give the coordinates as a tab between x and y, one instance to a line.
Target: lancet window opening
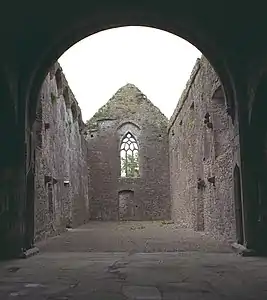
129	155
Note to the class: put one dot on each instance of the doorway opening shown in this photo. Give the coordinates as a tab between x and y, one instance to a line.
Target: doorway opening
238	206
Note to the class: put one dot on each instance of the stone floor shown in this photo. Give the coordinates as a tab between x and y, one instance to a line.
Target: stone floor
93	262
133	237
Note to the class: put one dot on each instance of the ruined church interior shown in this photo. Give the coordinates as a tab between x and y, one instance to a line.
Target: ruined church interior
131	204
130	163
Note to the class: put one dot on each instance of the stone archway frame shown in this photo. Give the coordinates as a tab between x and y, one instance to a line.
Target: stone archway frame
92	21
100	19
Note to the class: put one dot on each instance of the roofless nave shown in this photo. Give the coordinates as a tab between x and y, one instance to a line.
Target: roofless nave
130	163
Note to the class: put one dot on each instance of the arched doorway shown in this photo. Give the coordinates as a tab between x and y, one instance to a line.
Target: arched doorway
126	205
78	23
238	206
200	204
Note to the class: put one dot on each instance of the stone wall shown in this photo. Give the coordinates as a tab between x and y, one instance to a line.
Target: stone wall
145	197
188	166
201	137
61	176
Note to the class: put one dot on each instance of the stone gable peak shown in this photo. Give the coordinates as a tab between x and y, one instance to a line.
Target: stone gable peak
126	102
128	89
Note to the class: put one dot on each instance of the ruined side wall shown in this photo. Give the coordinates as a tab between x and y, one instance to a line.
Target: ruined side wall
61	177
129	110
201	137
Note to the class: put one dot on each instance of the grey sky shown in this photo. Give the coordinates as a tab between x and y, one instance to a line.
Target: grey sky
157	62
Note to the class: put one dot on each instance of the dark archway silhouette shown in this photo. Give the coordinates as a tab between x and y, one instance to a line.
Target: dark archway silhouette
232	53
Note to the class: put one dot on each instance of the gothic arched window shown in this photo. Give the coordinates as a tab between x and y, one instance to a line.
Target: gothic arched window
220	122
129	156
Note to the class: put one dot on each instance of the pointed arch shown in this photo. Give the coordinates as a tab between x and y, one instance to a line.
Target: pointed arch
129	156
219	122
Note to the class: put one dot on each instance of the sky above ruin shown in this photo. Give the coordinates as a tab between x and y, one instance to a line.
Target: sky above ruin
157	62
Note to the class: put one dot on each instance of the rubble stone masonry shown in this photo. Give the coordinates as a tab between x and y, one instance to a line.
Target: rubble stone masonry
61	177
201	138
145	197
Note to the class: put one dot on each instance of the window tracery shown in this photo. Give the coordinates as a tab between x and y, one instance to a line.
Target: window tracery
129	155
